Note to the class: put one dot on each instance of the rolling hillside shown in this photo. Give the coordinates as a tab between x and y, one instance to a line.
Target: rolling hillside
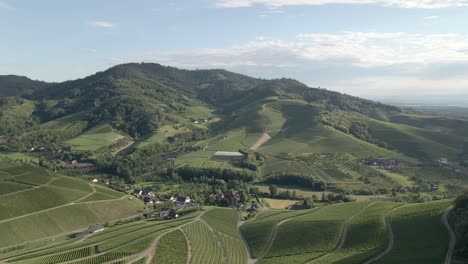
132	119
341	233
35	204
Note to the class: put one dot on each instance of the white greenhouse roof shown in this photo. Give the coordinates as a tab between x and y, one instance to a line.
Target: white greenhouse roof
228	154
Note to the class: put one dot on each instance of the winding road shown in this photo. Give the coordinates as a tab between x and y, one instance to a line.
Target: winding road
453	238
388	221
344	234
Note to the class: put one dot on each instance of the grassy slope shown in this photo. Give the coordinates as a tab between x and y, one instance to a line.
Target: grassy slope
367	236
259	232
314	233
55	196
95	138
420	235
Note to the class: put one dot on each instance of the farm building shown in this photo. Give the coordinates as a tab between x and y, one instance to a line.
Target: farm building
228	155
95	228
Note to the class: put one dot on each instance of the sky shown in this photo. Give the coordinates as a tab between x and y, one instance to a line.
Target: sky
368	48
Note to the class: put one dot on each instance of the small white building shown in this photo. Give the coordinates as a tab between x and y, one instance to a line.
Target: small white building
228	154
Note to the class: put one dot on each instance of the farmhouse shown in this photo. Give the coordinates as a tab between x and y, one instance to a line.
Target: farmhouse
170	198
183	199
95	228
228	155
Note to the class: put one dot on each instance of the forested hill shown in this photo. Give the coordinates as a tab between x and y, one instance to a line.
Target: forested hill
12	85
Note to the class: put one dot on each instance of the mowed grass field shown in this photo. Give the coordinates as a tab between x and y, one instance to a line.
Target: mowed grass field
35	204
97	137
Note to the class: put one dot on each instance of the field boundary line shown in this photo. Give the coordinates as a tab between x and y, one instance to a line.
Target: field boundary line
344	233
388	221
250	259
453	238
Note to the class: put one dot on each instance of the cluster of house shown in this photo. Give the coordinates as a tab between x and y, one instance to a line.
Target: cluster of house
58	150
74	164
102	181
384	164
203	120
150	197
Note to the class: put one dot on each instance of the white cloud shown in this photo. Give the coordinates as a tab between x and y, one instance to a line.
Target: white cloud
361	49
354	62
432	17
102	24
396	3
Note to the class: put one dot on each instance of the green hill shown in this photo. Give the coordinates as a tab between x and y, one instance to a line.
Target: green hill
12	85
131	118
35	204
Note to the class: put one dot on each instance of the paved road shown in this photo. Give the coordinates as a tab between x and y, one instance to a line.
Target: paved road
448	258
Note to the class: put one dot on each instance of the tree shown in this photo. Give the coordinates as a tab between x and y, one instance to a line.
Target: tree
243	197
273	190
308	202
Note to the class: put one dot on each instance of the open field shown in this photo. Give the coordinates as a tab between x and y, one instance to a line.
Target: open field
280	204
95	138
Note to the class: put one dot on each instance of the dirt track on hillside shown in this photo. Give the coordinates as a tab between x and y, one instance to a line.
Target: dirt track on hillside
265	137
448	258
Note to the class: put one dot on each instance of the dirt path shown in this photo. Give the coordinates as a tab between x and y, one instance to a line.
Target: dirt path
57	207
448	258
344	233
388	221
273	238
151	251
189	246
86	196
250	259
265	137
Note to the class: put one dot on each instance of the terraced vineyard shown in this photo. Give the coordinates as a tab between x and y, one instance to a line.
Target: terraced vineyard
306	237
345	233
172	249
367	236
420	235
36	204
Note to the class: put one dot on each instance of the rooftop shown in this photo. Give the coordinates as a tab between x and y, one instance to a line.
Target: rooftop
228	154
